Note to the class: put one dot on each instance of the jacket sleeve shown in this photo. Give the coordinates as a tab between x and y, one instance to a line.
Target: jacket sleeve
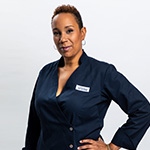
33	128
133	103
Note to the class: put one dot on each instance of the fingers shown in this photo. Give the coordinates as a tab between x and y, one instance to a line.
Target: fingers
92	144
87	144
99	139
84	147
90	141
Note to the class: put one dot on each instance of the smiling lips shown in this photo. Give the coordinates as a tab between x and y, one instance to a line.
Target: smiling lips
65	48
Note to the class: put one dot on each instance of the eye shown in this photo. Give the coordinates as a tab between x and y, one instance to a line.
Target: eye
69	31
56	33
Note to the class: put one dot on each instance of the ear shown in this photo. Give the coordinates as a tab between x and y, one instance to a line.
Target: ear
83	32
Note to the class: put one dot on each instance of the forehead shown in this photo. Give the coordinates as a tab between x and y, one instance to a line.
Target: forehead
64	19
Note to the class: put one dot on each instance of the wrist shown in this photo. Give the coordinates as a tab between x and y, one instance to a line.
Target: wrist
112	146
108	147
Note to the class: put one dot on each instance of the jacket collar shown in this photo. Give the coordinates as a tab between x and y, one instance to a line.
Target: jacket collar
81	60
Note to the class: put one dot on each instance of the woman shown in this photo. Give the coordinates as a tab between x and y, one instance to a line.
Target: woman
72	95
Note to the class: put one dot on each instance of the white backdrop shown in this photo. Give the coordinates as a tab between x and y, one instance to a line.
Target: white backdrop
118	32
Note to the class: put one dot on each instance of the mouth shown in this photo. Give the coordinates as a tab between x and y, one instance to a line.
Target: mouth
65	48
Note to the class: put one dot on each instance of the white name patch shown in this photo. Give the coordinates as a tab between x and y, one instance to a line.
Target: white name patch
82	88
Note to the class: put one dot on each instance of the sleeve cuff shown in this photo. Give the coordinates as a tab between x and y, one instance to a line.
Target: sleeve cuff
122	140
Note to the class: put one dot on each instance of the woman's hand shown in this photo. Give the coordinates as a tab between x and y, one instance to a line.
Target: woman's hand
92	145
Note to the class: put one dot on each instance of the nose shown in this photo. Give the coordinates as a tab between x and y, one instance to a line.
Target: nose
63	38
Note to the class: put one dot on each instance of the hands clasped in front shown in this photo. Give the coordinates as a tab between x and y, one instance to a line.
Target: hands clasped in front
92	144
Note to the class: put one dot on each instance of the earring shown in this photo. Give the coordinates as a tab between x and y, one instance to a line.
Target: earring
83	42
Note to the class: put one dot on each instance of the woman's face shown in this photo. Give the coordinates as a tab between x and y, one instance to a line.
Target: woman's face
66	35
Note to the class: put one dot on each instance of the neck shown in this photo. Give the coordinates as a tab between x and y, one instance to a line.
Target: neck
72	62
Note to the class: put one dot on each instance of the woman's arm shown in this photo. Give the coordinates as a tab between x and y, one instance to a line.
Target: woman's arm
33	128
112	146
133	103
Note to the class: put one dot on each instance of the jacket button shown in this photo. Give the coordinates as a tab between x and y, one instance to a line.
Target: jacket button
71	128
71	146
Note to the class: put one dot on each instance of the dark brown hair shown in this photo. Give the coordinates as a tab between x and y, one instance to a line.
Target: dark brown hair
69	9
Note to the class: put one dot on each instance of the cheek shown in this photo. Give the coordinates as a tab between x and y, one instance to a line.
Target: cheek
55	40
77	39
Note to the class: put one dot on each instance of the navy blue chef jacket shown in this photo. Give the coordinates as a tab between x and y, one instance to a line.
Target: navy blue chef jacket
60	122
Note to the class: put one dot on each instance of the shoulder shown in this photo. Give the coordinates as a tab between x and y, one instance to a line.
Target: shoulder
50	67
100	65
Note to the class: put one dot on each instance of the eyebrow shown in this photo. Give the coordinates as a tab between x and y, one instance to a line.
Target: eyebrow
69	26
65	27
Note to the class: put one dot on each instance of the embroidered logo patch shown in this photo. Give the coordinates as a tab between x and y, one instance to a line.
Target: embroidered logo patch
82	88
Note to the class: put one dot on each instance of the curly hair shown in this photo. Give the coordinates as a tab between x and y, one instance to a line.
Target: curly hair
69	9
